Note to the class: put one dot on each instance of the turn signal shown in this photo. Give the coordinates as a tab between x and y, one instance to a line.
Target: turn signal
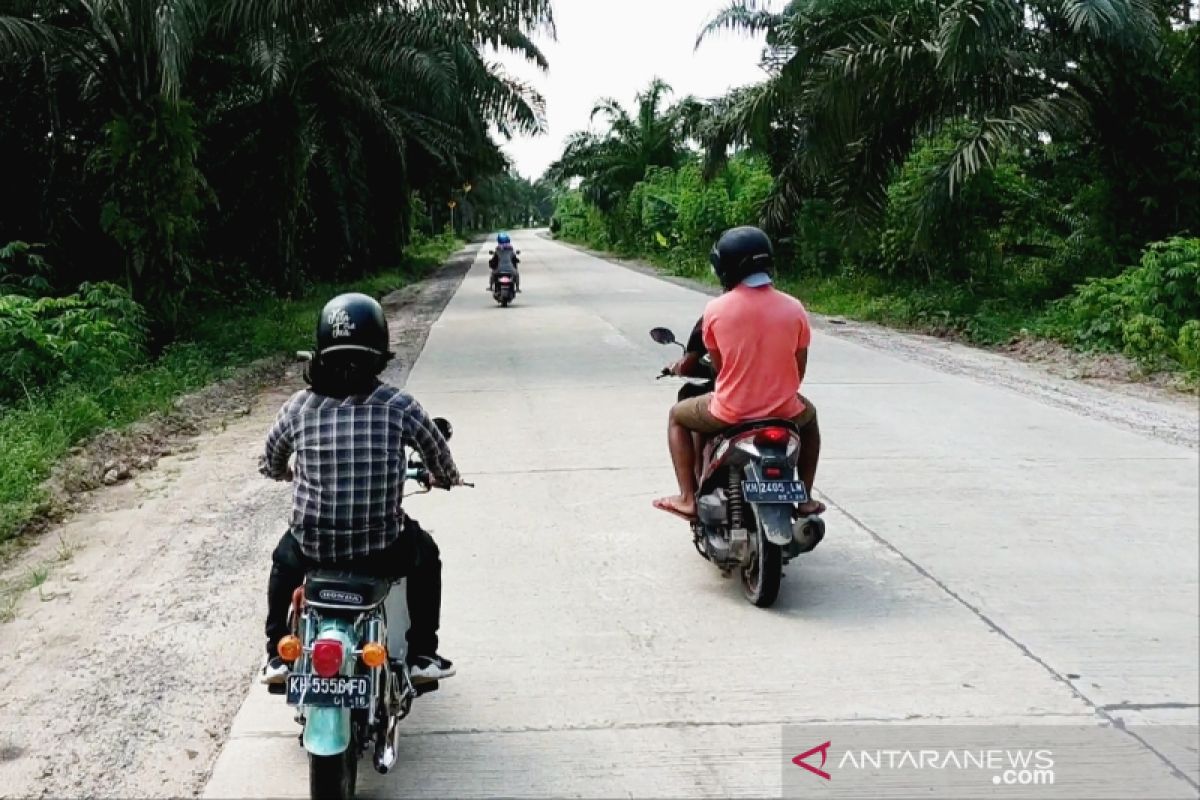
374	654
289	648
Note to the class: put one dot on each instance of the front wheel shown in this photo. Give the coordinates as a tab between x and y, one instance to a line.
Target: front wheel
333	777
761	577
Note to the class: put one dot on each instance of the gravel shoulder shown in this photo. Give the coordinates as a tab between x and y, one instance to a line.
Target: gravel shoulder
1097	386
132	628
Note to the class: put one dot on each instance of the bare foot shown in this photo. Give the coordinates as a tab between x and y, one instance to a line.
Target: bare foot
680	506
811	508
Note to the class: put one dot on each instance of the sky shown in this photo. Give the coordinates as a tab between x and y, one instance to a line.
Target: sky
614	48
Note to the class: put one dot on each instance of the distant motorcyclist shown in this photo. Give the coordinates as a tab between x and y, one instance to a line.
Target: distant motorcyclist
504	261
348	432
757	338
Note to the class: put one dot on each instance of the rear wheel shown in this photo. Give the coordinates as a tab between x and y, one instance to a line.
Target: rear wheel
761	577
333	777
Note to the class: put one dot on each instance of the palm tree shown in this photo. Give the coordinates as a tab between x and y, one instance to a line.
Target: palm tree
610	163
319	119
853	83
400	87
129	57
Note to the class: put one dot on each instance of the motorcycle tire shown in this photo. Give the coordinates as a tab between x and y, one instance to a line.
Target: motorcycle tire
333	777
760	580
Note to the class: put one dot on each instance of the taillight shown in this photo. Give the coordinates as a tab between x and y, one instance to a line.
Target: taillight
772	436
774	473
327	657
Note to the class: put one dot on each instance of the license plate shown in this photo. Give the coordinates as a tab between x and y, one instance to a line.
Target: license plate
774	492
340	691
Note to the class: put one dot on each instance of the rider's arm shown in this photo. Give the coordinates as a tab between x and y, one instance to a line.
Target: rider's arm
686	365
803	340
424	435
273	463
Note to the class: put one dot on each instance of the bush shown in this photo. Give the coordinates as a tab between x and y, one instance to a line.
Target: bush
1150	312
94	333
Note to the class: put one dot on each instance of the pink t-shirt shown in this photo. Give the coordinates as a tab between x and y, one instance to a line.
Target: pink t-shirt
755	334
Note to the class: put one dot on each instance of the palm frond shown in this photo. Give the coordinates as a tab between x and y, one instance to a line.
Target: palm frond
743	16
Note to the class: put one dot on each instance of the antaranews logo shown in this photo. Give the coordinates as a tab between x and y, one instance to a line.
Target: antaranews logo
823	749
1010	767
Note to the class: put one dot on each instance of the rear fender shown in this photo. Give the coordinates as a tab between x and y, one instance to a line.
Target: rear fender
774	519
327	730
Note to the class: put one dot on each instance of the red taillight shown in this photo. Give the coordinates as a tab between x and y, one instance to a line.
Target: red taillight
773	435
327	657
774	473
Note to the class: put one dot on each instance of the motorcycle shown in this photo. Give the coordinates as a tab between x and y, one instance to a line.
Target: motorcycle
348	682
747	505
504	282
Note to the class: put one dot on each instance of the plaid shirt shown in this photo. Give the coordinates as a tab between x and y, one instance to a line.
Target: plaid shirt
350	465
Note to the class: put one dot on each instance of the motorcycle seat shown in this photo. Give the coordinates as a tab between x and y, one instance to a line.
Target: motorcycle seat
328	589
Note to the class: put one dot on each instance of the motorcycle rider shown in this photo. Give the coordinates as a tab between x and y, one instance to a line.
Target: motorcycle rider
348	432
757	338
504	256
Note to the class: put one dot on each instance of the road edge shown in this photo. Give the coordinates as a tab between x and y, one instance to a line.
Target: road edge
1170	417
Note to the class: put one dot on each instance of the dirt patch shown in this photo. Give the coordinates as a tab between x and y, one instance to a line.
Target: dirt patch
1101	368
134	626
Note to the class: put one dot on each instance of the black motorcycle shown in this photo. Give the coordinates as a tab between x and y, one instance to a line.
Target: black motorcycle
504	278
747	506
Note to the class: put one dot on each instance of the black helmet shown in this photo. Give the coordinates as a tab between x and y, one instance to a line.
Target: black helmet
741	252
353	324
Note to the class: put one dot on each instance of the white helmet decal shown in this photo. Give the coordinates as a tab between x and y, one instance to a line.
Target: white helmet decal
339	322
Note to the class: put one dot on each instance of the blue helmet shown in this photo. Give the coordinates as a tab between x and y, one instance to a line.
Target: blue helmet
503	239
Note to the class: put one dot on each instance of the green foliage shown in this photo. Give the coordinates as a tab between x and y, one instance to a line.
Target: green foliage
22	270
91	335
153	202
1150	312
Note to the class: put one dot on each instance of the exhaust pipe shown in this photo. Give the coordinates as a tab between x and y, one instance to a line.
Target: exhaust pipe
385	757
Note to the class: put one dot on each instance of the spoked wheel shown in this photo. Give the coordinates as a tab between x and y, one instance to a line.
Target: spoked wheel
333	777
761	577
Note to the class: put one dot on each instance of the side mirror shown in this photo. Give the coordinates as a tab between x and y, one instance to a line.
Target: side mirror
662	336
444	426
518	252
491	252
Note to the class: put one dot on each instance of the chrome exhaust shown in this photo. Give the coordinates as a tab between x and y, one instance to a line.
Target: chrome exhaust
385	757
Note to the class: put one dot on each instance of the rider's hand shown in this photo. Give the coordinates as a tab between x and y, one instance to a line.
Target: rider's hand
289	476
678	367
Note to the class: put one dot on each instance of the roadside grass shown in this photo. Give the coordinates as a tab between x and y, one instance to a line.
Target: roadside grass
38	431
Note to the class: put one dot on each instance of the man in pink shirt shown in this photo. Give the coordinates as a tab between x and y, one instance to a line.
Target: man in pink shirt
757	338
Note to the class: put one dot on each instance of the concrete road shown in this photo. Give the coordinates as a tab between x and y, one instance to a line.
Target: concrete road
991	559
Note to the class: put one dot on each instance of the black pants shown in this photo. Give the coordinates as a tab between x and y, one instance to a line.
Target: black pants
414	556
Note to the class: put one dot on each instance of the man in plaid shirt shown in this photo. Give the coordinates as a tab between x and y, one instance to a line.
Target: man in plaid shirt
348	433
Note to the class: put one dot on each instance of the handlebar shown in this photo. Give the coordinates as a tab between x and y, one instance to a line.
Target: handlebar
422	476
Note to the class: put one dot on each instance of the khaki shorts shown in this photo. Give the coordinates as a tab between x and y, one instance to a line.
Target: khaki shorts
694	415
